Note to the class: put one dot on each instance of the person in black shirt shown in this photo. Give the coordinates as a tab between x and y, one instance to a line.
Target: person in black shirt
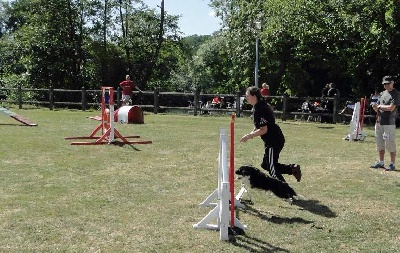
272	136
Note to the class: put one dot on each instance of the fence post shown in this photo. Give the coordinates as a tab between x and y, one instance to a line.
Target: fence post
51	97
335	106
84	100
195	101
285	99
156	93
237	104
20	96
119	97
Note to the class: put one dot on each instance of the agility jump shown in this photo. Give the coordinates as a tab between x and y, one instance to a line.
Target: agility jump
222	211
107	126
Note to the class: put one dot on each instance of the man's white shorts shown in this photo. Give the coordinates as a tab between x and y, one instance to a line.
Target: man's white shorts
385	137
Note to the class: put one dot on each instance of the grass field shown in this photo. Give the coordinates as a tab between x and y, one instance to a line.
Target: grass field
55	197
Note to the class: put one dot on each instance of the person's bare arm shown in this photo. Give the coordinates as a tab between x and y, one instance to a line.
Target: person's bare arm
256	132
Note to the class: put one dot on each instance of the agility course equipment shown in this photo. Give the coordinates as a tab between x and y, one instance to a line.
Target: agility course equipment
224	210
107	127
357	122
126	115
130	115
16	117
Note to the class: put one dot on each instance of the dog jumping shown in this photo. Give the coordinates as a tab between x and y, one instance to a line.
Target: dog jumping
254	178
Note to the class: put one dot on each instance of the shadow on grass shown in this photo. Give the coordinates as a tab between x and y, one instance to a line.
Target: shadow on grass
273	218
16	124
313	206
326	127
122	144
11	124
134	148
252	244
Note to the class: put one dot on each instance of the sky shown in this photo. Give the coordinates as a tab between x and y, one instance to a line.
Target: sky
196	16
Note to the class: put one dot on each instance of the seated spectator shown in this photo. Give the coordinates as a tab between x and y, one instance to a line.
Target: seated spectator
265	90
318	107
216	100
348	108
222	104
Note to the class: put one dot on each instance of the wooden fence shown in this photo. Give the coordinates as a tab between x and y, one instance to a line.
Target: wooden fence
156	101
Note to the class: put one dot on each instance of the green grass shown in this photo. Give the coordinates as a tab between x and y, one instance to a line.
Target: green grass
55	197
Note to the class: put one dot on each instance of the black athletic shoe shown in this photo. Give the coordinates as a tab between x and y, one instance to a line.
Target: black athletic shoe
296	172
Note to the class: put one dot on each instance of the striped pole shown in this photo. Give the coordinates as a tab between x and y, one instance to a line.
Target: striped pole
362	116
107	108
232	170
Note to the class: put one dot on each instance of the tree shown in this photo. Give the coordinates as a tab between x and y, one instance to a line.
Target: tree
146	30
305	44
44	45
75	43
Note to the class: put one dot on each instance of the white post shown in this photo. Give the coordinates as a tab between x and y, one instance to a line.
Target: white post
256	65
354	122
356	133
258	28
224	213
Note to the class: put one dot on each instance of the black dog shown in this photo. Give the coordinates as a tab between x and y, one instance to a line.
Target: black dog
254	178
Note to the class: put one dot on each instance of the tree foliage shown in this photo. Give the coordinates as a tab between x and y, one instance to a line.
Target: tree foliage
91	43
304	44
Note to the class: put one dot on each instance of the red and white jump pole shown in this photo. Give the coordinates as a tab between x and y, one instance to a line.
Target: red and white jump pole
232	169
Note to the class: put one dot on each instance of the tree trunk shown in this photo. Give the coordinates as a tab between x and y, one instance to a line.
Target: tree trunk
125	30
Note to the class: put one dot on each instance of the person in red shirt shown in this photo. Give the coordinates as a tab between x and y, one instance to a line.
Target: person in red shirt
216	100
265	90
127	86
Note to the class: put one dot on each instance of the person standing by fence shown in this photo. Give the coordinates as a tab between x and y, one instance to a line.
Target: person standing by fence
374	97
325	90
332	92
385	126
127	87
272	136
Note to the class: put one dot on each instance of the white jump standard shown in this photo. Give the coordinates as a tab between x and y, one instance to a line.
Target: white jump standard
357	122
222	211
